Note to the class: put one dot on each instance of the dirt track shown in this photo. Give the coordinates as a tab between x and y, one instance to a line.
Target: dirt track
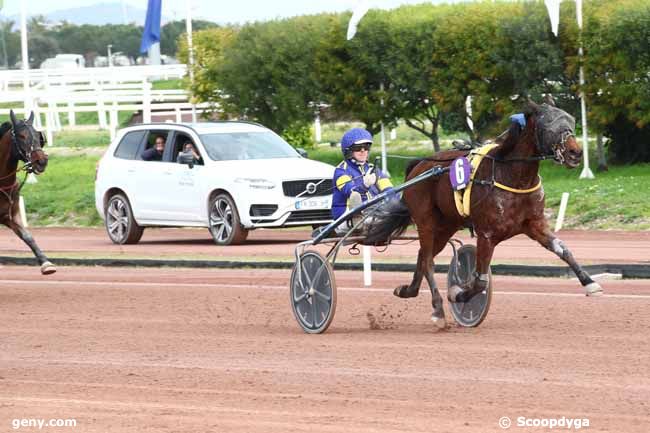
178	350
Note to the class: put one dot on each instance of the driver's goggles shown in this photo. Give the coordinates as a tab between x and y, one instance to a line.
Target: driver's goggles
360	147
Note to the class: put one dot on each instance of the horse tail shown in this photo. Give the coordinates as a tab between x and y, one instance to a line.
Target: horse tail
387	221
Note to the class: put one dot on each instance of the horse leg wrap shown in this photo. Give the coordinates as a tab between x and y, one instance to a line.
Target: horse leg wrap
558	247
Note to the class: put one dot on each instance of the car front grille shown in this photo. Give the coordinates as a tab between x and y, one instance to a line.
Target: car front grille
293	188
309	215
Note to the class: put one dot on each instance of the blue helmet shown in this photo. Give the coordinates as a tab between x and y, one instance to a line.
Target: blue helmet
352	137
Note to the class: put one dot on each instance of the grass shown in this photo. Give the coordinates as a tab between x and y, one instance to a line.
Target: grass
64	194
617	199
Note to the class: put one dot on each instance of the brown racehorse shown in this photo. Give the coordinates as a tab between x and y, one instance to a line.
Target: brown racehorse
19	141
495	214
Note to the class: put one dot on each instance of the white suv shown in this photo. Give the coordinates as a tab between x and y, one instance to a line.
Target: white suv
247	177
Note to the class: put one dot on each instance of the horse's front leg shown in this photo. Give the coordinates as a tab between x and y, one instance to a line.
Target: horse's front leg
538	230
46	266
484	249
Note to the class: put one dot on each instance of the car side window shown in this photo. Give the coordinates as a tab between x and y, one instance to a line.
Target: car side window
155	146
128	147
183	143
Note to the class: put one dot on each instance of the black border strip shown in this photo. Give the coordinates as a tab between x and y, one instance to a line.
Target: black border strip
627	271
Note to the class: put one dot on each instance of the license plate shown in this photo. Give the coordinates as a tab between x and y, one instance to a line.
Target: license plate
314	203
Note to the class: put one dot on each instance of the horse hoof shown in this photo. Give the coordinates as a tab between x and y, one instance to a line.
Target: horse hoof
453	293
403	292
438	322
48	268
593	289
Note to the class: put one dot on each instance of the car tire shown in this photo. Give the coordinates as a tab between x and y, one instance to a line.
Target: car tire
120	224
224	223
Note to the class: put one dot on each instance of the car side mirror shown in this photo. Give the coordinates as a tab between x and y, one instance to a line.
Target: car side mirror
302	152
186	158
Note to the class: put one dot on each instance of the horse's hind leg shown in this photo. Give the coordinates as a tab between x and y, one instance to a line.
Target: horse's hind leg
539	231
412	290
22	233
484	251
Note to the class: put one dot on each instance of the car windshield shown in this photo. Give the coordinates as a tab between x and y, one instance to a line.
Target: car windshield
247	145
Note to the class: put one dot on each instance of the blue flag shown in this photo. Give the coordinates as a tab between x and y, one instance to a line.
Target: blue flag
151	33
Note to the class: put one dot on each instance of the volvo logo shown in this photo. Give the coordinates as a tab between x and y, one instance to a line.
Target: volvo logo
311	188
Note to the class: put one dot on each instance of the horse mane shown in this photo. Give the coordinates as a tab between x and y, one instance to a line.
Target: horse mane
4	128
508	140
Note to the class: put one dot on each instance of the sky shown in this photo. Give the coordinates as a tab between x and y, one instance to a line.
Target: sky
237	11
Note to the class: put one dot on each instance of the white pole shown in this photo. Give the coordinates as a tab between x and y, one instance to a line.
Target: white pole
384	164
560	214
146	101
25	56
586	170
190	50
21	209
367	270
317	128
125	20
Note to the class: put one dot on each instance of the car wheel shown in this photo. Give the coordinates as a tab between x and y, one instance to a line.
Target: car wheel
225	225
120	224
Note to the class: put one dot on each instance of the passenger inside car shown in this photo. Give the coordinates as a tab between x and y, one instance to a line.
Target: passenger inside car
155	153
189	151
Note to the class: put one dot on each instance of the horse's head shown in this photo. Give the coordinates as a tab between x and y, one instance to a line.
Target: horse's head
27	144
555	133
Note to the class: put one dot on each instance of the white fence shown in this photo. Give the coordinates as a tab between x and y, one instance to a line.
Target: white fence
103	90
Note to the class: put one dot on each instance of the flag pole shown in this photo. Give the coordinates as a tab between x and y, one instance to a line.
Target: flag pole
586	170
25	57
190	49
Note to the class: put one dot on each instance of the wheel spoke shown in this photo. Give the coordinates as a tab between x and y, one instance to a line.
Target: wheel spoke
220	232
300	298
323	296
113	212
314	313
305	273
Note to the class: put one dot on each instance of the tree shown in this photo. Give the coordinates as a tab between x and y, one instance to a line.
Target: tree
264	73
349	73
173	30
616	63
10	44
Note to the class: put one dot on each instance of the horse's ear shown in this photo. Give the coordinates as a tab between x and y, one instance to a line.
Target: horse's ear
531	107
549	100
31	118
13	117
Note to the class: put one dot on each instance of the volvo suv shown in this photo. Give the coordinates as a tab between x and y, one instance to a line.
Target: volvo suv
242	176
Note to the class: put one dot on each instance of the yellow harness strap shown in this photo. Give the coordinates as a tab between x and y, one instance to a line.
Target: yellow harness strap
462	198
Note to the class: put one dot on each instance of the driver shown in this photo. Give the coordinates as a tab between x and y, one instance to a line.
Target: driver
355	179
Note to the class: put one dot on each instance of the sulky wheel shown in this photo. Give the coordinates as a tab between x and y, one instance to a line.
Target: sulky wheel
313	292
471	313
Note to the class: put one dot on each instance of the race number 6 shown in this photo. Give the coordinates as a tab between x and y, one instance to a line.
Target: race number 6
459	173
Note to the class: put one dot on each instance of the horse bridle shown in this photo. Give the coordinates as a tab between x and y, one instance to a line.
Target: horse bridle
18	145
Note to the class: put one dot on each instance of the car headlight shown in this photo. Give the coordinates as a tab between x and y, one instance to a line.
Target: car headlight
256	183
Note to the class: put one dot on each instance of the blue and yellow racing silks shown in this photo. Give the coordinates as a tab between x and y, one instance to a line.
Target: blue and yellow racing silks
348	177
